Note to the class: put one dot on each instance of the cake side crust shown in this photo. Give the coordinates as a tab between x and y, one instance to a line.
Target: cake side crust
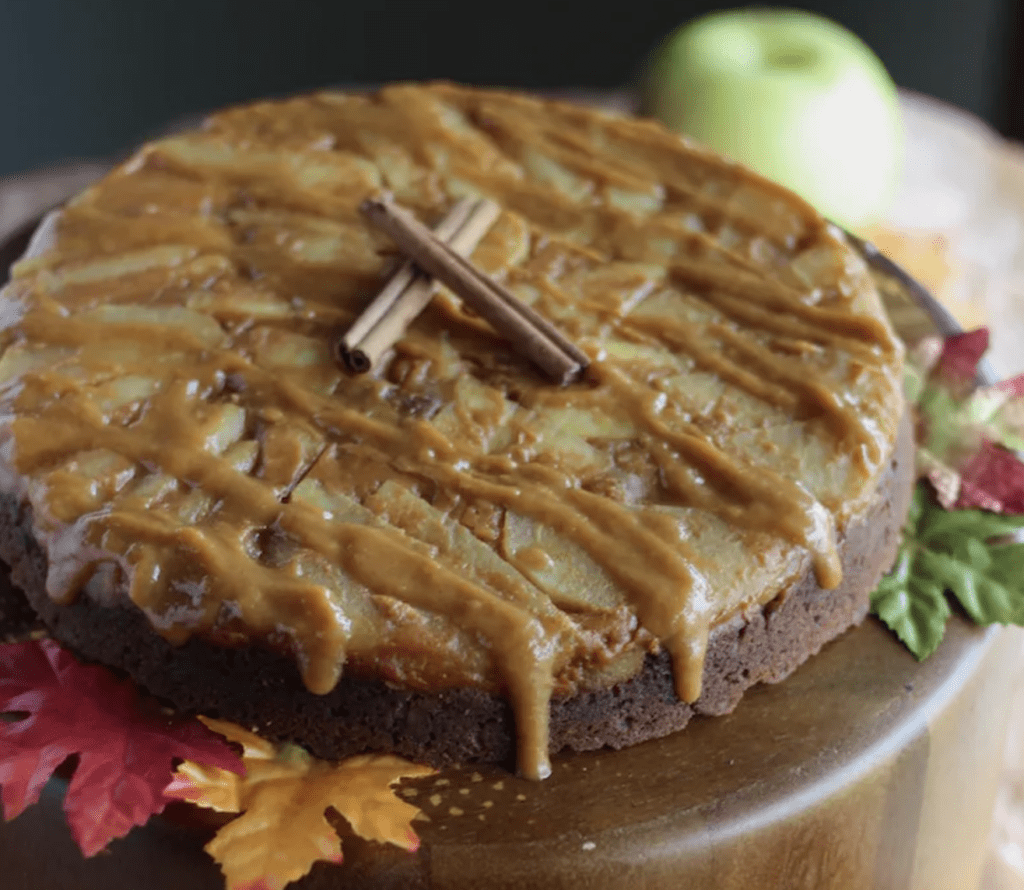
263	690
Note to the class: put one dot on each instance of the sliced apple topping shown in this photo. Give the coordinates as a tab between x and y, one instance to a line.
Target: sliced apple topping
333	172
548	171
651	357
635	202
822	262
309	240
558	565
243	455
120	395
87	482
23	358
283	349
799	451
120	266
506	244
220	425
722	552
241	304
730	238
565	434
453	542
478	412
406	180
351	598
287	451
616	289
191	325
193	506
698	392
148	490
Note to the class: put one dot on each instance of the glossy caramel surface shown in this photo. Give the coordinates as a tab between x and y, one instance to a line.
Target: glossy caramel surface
174	418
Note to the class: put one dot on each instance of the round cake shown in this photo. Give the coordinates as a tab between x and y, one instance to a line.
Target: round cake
123	512
450	557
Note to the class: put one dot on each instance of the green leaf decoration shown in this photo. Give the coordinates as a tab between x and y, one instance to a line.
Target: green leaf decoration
962	552
914	609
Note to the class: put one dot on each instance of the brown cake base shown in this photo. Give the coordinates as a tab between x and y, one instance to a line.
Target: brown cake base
261	689
865	770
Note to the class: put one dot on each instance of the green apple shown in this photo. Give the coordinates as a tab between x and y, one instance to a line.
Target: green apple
792	95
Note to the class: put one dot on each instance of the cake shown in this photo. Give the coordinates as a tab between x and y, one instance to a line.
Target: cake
864	769
449	558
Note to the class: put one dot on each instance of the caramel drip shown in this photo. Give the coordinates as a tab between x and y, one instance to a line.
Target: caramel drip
766	375
774	295
811	389
751	497
174	415
630	149
745	313
663	584
710	356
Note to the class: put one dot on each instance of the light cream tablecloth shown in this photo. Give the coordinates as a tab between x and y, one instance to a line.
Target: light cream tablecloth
957	224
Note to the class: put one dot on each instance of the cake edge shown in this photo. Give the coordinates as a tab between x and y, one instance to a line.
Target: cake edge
262	690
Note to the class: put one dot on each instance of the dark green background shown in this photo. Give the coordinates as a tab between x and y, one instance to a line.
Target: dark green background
88	77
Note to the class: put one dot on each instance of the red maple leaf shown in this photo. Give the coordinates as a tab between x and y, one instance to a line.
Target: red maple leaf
126	745
960	356
993	479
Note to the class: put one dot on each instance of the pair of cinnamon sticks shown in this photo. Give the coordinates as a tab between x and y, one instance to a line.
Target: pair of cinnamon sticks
439	257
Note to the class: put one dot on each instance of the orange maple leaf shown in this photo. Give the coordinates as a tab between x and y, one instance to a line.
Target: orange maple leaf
283	799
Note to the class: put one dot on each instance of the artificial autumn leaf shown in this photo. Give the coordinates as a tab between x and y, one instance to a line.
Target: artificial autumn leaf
967	436
993	479
284	797
960	552
126	745
961	354
997	411
911	607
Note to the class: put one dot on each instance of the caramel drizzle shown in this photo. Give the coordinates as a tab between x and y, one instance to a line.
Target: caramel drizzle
57	411
773	294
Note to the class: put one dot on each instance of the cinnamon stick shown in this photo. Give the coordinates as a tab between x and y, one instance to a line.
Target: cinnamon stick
409	290
528	331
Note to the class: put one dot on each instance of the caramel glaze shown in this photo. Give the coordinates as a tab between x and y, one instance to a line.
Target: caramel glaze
172	414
